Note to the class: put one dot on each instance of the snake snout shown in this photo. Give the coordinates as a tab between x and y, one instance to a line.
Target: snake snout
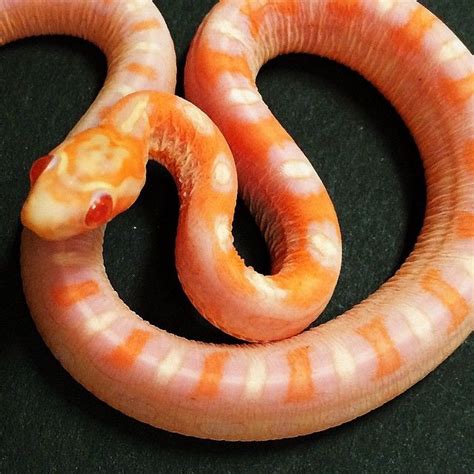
48	217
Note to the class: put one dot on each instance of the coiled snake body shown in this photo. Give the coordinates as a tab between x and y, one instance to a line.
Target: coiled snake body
298	384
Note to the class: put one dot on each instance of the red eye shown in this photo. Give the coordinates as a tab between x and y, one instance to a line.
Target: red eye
38	167
100	211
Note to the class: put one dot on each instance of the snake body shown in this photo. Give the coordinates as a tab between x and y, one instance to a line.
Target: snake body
304	383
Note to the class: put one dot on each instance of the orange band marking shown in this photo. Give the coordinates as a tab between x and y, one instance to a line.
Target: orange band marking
388	357
211	375
344	8
420	22
67	295
126	353
458	90
300	387
256	15
142	70
468	156
433	283
215	63
410	35
464	225
146	25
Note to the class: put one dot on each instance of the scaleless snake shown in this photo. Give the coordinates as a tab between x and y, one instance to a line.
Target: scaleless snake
299	384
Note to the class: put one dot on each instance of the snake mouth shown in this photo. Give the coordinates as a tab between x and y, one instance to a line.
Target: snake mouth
48	221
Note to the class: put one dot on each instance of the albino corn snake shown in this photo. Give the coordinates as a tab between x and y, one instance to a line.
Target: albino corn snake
301	359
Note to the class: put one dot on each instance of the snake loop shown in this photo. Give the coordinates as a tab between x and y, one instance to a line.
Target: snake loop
305	383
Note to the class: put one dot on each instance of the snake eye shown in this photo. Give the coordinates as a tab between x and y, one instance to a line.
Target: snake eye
99	211
38	167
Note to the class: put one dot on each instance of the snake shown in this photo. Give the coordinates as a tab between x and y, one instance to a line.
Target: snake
284	381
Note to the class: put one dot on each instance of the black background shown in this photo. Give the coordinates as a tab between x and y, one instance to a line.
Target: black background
370	165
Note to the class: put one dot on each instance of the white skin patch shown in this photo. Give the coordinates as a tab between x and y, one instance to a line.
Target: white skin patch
459	279
385	5
255	378
99	322
170	365
300	177
455	59
134	5
94	185
343	361
324	244
134	117
201	122
229	80
460	68
99	157
401	12
113	339
124	90
223	173
264	285
229	31
419	322
468	265
244	96
223	233
146	46
451	50
297	169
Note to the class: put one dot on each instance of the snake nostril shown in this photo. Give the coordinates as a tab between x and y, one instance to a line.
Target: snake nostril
38	167
99	211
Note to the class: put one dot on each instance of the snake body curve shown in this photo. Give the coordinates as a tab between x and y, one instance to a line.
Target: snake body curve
324	376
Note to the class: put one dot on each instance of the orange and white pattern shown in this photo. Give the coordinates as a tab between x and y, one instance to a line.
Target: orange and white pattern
300	384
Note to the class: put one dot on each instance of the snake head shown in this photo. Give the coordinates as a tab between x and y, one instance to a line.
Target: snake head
84	183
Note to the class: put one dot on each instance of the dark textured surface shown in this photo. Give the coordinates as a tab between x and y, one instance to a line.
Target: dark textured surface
364	154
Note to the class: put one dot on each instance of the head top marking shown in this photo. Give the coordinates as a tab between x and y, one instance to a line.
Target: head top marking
84	183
